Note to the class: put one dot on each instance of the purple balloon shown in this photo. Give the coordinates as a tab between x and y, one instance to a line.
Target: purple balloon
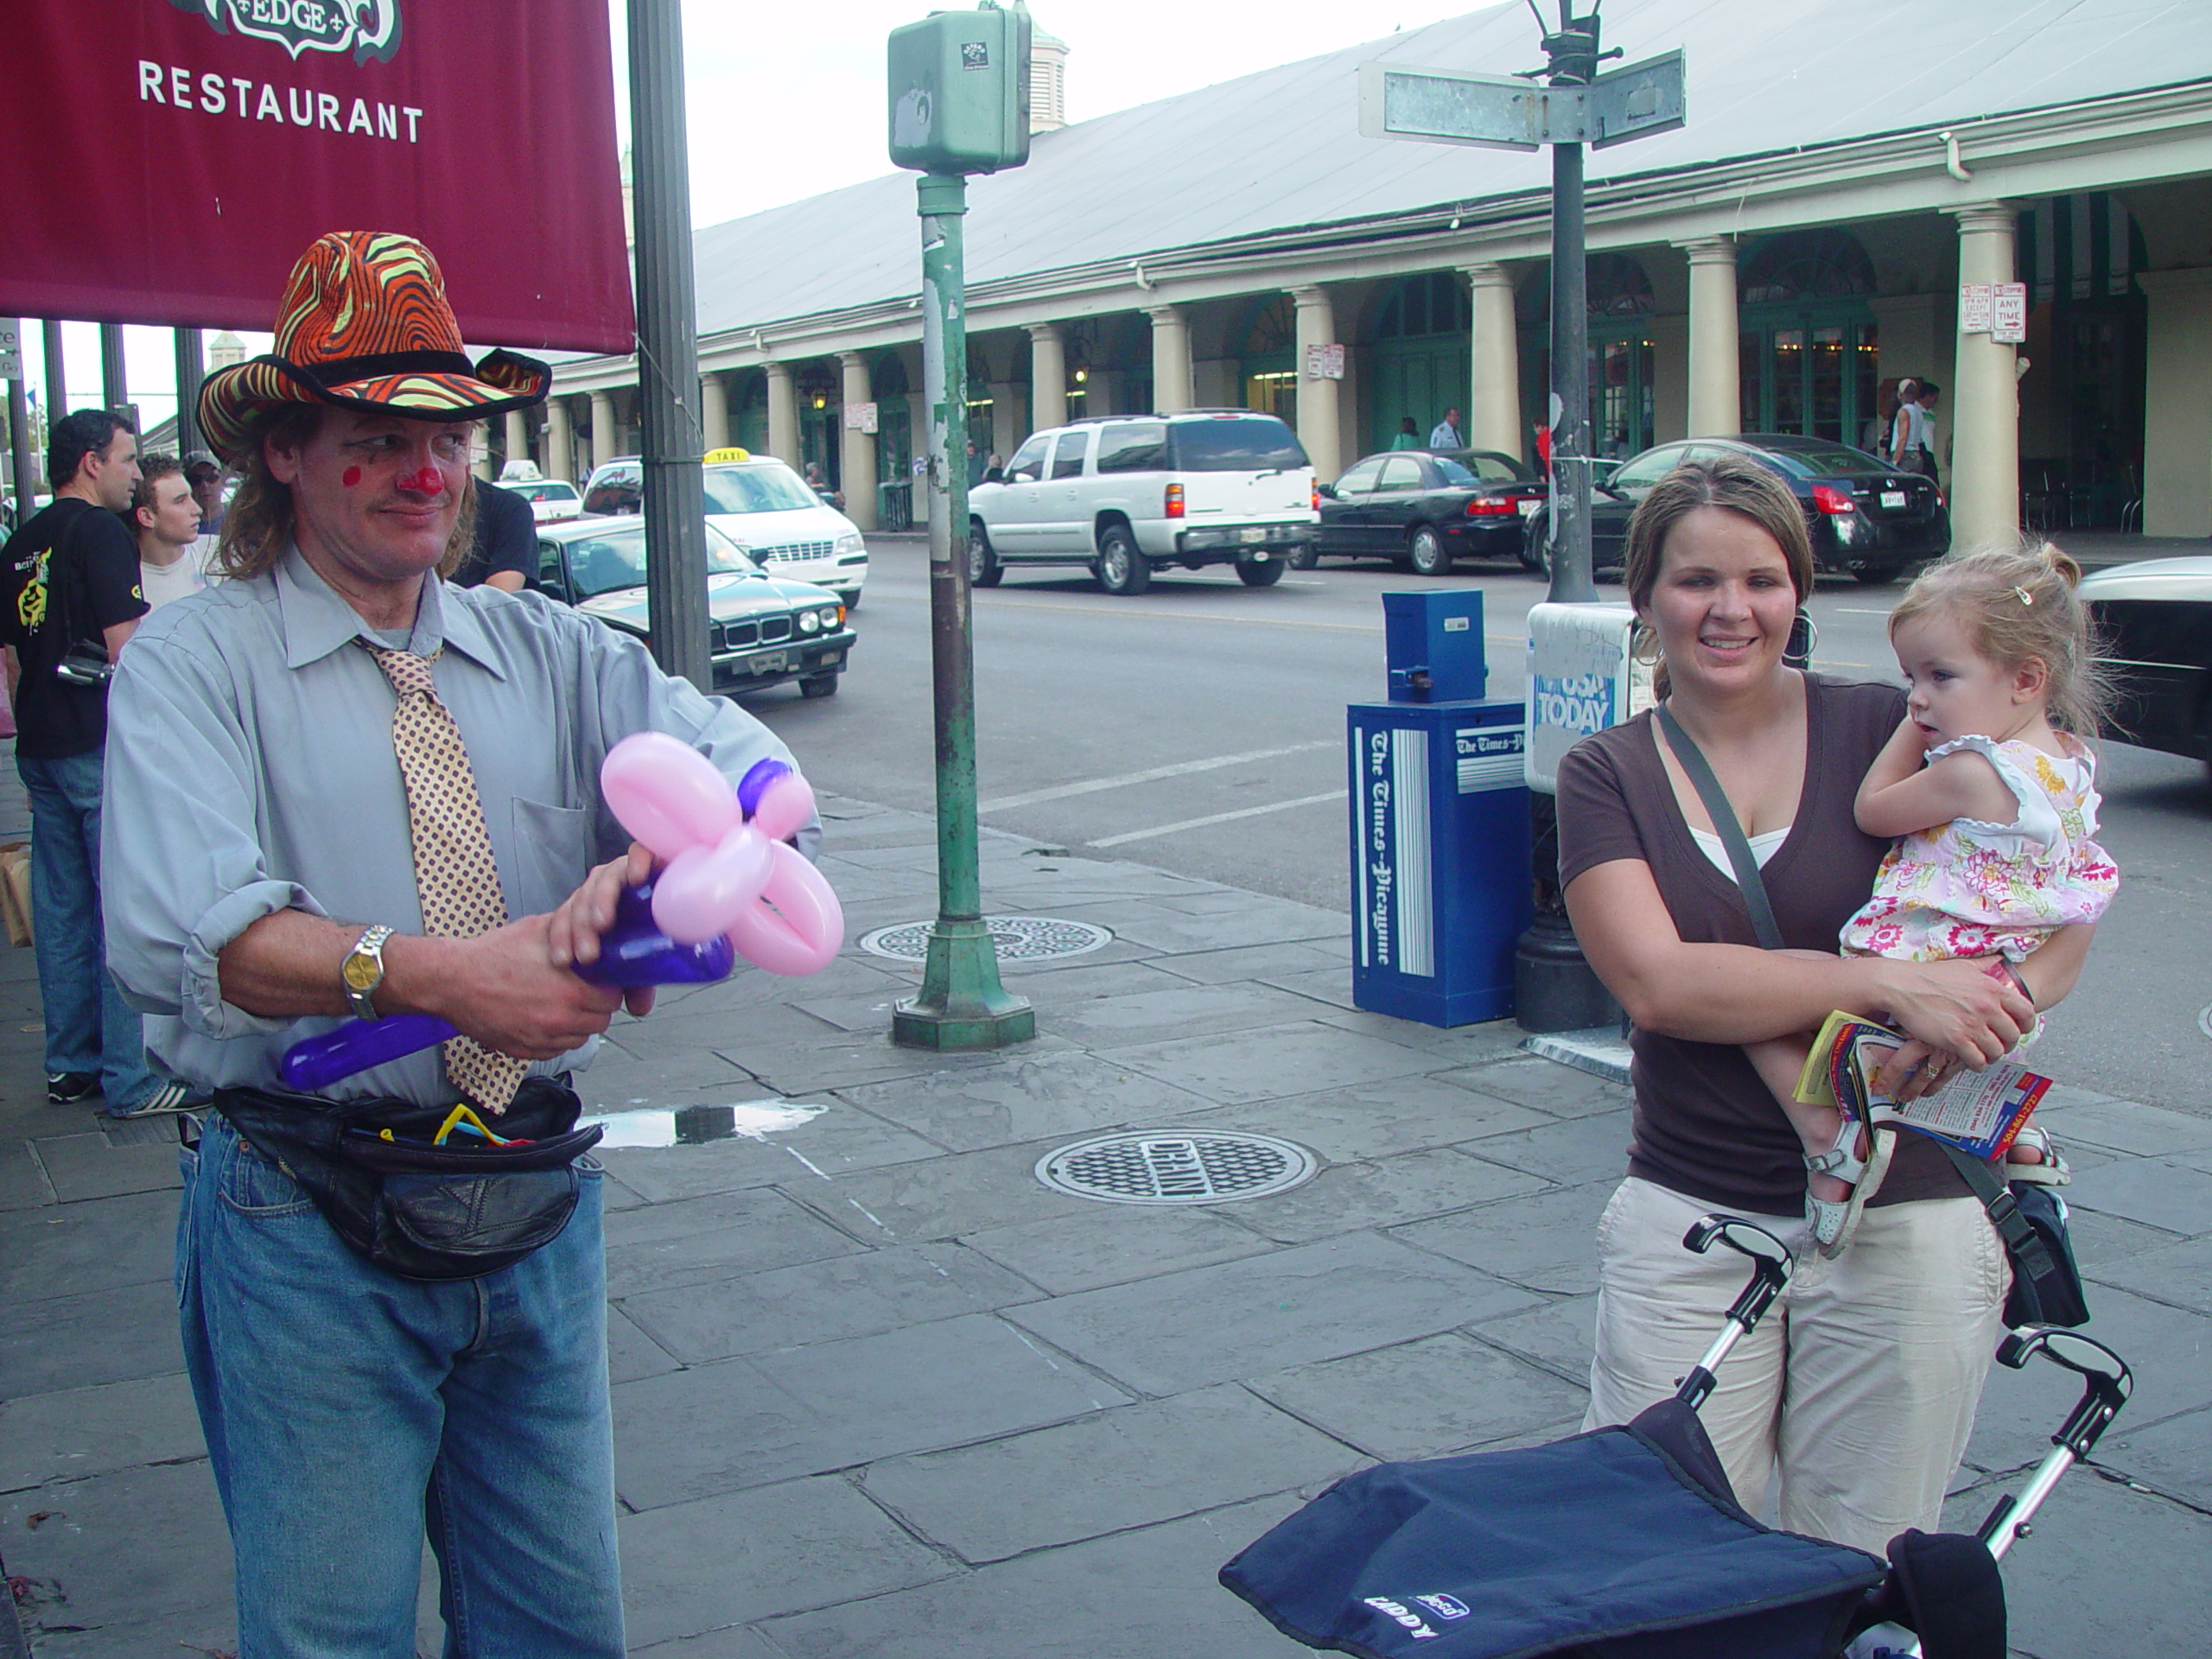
757	776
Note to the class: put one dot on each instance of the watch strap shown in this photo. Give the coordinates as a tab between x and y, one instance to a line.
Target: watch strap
369	946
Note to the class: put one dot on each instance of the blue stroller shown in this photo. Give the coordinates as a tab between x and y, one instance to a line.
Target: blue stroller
1627	1543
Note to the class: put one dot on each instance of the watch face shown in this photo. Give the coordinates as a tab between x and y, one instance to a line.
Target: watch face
362	972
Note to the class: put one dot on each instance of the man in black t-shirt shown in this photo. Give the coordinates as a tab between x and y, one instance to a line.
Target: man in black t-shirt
69	598
504	550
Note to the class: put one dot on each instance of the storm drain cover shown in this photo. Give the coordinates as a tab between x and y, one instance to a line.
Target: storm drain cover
1019	939
1175	1167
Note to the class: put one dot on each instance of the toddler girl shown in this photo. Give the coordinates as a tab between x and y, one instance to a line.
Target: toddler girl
1991	793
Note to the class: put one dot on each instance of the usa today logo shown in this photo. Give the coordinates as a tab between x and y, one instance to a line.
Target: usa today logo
367	28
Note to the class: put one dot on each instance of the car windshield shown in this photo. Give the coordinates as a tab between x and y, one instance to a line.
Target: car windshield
549	491
757	489
1232	443
612	560
1811	459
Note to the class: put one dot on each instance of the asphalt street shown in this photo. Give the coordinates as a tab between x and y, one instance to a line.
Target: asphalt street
1198	728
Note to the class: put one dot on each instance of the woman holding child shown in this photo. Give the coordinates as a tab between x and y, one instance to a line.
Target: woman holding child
1859	1391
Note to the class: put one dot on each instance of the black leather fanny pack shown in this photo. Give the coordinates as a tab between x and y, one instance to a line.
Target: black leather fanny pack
413	1206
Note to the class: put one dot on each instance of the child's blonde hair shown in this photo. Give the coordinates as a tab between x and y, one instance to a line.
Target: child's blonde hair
2019	605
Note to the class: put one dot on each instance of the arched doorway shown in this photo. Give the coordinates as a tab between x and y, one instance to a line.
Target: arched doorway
1808	353
1421	364
894	457
753	415
2082	413
1617	295
821	414
1079	349
1267	358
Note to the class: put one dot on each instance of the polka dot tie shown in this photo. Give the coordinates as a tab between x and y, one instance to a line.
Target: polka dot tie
454	869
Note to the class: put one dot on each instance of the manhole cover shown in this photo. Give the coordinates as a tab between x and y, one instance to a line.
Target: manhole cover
1019	939
1175	1167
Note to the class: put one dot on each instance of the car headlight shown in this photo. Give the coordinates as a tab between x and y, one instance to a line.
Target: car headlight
851	544
832	615
810	622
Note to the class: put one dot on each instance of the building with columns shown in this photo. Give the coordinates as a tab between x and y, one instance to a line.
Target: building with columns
1768	267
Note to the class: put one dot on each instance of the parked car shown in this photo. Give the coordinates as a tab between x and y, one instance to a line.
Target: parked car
552	500
1866	516
1424	509
1123	493
2155	617
763	629
762	505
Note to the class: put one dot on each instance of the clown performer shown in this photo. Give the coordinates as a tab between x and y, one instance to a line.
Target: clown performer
341	786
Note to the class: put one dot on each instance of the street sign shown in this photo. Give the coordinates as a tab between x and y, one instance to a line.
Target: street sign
1636	100
1325	362
860	417
2008	314
11	349
1491	111
1975	303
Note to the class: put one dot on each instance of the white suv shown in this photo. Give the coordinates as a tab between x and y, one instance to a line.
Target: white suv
1124	492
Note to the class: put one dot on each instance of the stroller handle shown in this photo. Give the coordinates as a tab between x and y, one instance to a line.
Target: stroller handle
2106	1378
1770	1259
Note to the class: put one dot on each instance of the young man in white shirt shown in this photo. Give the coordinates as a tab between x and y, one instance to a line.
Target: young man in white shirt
166	519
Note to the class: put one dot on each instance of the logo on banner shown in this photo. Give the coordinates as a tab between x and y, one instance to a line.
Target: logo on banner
367	28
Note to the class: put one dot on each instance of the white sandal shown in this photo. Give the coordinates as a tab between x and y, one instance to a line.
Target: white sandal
1834	1220
2053	1171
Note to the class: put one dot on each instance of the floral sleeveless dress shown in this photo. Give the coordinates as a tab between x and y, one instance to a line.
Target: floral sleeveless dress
1967	888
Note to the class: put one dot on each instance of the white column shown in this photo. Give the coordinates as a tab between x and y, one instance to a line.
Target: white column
1716	396
782	414
518	435
1007	428
1494	399
560	441
605	445
714	410
2177	403
1048	375
1985	403
1319	430
859	452
1171	359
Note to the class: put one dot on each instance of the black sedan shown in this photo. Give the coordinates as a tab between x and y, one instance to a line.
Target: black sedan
1866	517
1422	510
2156	622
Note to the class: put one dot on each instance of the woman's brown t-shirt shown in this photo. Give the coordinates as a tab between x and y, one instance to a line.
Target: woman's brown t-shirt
1706	1126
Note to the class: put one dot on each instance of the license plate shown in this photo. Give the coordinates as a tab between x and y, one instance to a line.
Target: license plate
1530	506
1252	533
1893	497
767	661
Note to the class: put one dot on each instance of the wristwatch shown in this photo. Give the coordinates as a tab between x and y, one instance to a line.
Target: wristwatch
362	971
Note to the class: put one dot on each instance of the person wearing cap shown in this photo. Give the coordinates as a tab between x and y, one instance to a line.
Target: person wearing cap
205	476
345	787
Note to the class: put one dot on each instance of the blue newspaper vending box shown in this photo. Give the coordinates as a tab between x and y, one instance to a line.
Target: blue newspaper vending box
1439	837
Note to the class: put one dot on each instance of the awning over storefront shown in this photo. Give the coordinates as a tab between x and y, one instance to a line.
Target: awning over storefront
171	159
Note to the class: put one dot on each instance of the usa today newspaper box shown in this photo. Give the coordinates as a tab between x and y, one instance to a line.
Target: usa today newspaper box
1440	822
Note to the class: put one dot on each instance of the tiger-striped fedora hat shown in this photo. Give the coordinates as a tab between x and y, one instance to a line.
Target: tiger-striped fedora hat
365	324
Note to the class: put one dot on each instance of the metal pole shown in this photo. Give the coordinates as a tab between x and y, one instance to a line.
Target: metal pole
1570	516
57	378
191	369
19	443
961	1004
115	379
668	348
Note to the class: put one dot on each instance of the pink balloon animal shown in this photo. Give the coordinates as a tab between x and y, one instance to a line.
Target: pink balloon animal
729	866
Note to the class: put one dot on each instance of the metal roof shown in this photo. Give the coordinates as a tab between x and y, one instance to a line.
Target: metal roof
1280	151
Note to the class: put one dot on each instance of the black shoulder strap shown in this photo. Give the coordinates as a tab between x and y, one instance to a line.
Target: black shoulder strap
1996	1195
1726	826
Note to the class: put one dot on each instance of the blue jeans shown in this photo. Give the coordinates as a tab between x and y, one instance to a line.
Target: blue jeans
348	1410
89	1028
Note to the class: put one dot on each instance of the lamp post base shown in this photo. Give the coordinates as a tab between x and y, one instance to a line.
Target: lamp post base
1554	988
962	1008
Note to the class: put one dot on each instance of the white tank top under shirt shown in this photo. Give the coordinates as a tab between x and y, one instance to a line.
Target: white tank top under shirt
1763	847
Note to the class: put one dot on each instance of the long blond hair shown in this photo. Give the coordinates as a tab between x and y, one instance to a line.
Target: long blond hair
2018	605
259	523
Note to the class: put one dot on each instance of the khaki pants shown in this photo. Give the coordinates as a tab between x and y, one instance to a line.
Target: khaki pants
1860	1383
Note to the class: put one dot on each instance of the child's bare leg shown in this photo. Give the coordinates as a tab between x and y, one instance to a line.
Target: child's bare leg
1778	1062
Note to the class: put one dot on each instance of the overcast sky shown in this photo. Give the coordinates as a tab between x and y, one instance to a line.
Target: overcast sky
784	102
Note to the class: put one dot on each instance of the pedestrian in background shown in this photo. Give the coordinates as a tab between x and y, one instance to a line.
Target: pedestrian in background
204	474
1874	434
165	517
1408	435
72	600
344	786
1444	435
502	546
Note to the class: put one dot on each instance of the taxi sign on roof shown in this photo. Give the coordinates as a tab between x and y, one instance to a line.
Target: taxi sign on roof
732	453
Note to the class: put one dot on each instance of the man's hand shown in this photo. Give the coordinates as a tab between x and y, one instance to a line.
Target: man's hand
574	929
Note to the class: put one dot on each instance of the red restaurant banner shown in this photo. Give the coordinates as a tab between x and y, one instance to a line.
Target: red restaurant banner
169	160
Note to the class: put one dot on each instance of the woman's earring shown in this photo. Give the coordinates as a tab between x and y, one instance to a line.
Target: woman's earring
1804	639
1643	643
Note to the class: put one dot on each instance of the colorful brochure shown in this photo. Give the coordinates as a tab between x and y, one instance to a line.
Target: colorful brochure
1977	1111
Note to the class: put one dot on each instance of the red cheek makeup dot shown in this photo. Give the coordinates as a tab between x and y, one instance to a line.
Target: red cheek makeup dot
353	477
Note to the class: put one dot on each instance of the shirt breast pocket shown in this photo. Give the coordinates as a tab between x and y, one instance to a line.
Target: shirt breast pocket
553	852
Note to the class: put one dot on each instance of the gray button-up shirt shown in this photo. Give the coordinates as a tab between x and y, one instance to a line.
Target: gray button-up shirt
250	770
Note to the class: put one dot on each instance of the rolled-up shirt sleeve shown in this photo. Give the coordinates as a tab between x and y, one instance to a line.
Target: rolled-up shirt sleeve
181	867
